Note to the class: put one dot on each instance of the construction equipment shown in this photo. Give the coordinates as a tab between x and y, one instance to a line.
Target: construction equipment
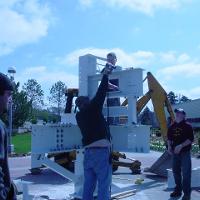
67	159
51	143
159	99
161	104
134	165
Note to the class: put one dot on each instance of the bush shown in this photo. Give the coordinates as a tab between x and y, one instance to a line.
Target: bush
34	121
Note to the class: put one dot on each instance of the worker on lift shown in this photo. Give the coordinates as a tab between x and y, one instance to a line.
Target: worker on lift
96	138
180	138
6	188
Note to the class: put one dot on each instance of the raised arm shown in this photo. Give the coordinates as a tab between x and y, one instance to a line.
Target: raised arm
100	96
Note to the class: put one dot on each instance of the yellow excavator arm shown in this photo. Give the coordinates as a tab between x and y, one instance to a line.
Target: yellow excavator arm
159	99
160	102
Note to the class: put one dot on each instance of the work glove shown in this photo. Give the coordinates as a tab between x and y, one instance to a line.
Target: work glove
108	68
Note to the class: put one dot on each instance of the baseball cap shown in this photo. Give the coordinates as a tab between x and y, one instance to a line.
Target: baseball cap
179	110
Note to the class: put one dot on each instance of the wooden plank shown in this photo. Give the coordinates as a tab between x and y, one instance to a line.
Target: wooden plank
123	194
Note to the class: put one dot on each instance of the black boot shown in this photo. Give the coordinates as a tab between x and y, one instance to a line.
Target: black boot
186	197
176	194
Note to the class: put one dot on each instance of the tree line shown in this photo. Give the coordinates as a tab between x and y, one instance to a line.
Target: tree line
148	117
176	99
29	103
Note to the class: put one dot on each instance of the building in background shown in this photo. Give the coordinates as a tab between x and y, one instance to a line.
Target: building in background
192	109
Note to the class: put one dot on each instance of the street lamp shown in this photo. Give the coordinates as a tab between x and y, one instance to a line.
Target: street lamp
11	73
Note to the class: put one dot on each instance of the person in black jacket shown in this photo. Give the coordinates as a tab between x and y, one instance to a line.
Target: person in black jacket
6	188
180	138
96	140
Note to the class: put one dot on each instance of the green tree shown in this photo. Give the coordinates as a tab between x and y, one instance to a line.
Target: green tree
173	99
184	99
46	115
34	92
21	107
57	96
145	117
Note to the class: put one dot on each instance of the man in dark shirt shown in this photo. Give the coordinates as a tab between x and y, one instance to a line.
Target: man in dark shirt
6	188
180	138
96	140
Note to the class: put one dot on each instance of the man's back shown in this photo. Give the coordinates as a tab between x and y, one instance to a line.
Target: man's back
92	124
90	119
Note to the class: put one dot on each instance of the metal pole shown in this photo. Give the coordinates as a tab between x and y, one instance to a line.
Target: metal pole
11	72
10	146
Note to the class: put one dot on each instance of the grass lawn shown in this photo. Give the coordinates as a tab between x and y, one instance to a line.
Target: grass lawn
22	143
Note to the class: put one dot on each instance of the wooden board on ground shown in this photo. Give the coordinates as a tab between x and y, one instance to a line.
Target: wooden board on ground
124	194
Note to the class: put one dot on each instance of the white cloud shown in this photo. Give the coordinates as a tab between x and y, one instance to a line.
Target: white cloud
182	75
22	22
145	6
35	70
193	93
186	70
172	62
134	59
86	3
51	77
173	57
183	58
165	66
168	57
46	76
143	59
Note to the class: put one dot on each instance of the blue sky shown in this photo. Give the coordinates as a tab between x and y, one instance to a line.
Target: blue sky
43	39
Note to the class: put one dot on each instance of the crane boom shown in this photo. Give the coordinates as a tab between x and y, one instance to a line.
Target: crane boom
159	99
160	102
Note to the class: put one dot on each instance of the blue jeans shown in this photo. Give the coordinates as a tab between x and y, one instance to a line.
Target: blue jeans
182	172
97	169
